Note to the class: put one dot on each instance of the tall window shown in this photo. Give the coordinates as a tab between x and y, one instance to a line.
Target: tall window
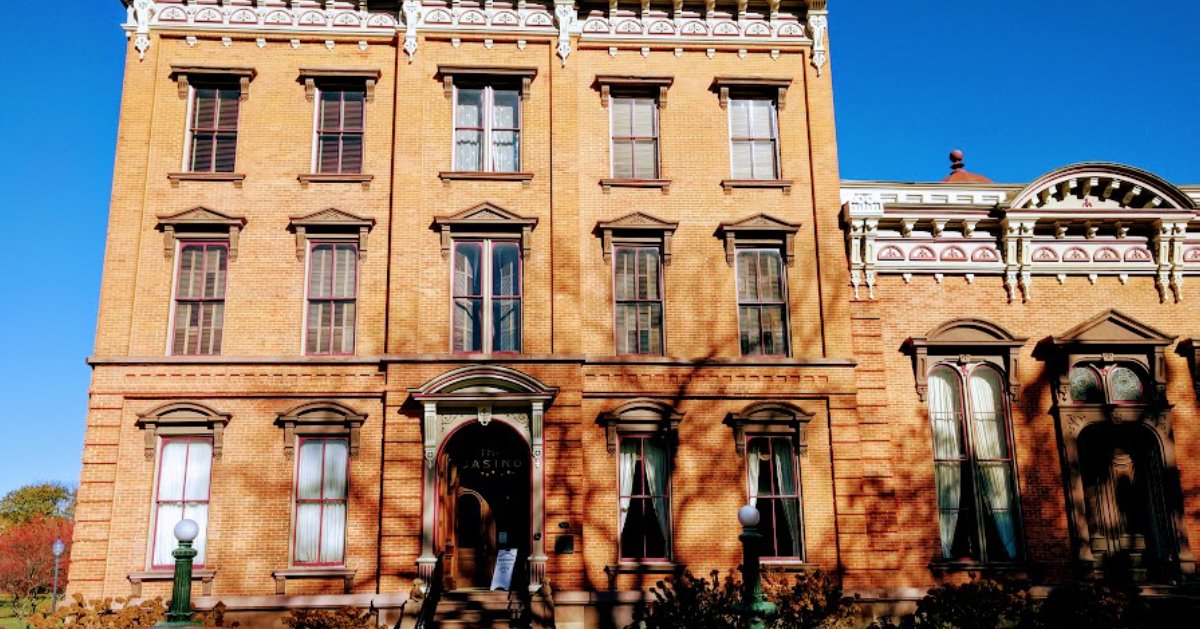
200	298
321	484
973	463
775	490
332	295
487	296
212	134
644	514
339	142
754	138
184	475
762	303
487	129
634	137
637	275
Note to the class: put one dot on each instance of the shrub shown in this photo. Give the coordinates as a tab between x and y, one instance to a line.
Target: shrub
102	614
26	561
978	604
340	618
807	600
1091	606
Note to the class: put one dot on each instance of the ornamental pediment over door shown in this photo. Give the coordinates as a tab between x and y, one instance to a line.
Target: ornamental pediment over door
1113	328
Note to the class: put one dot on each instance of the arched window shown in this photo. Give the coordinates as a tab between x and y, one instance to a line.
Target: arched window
1115	383
973	465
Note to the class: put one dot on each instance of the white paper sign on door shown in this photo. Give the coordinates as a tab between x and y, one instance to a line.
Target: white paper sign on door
506	561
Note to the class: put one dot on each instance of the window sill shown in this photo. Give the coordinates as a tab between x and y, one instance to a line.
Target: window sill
317	572
787	565
235	178
768	184
640	567
455	175
943	566
308	178
205	576
663	184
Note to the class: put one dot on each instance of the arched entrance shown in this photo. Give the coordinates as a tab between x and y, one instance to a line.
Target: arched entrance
484	487
492	416
1126	509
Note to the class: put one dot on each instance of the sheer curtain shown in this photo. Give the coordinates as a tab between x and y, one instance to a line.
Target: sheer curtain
333	516
506	148
656	477
754	452
945	409
308	507
183	486
468	131
991	453
785	476
629	457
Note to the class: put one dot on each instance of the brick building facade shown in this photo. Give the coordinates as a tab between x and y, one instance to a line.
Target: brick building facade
395	289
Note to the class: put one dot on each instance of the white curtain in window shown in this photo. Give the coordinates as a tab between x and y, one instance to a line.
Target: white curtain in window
944	412
468	135
785	476
754	452
505	137
628	461
991	443
333	517
183	486
308	514
656	477
164	537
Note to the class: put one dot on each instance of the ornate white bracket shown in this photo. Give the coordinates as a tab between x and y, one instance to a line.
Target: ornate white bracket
140	13
565	14
1168	252
412	13
818	25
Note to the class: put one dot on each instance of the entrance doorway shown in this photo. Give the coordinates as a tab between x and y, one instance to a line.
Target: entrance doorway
484	491
1122	480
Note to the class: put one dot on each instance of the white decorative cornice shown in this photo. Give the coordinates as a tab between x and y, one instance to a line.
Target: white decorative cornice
1086	220
818	26
565	16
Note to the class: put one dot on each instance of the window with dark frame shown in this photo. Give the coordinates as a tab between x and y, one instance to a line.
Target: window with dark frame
774	483
322	468
762	303
213	129
644	512
332	298
974	470
199	316
634	121
753	137
181	492
638	312
487	127
486	296
341	119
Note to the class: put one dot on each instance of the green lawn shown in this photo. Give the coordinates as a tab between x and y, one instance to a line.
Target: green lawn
7	618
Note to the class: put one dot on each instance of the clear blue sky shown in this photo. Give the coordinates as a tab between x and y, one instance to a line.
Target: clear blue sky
1021	86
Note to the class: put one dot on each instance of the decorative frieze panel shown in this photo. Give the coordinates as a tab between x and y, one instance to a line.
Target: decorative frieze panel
270	15
717	30
1087	220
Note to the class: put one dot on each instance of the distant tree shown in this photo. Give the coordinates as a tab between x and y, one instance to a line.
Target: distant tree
43	500
27	561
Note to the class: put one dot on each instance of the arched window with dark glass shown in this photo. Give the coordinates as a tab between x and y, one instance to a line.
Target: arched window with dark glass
1115	383
973	464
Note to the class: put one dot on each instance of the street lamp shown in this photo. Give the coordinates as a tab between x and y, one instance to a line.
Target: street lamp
57	548
180	613
754	606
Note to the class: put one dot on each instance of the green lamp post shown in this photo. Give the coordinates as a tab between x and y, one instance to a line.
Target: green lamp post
755	607
180	613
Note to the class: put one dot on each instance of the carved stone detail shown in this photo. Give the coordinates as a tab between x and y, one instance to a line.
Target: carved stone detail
636	228
330	222
183	418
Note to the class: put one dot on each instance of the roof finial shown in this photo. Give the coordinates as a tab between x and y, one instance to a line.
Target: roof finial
956	160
